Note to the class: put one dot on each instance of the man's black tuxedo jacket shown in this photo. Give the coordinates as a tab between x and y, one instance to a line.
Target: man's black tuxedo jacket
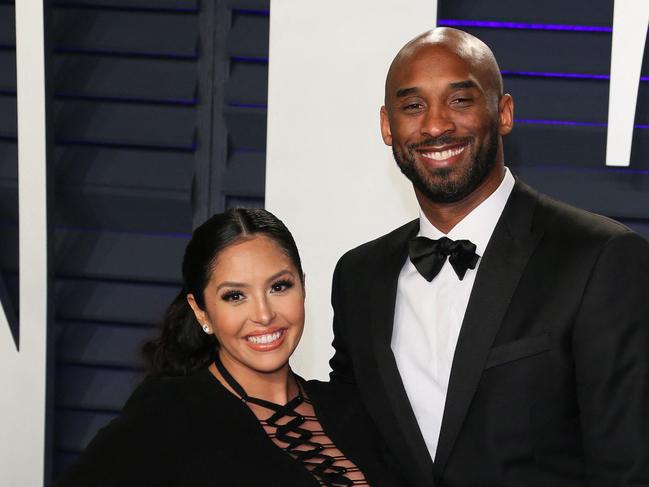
550	378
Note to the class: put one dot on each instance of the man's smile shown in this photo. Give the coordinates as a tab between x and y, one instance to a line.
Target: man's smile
441	154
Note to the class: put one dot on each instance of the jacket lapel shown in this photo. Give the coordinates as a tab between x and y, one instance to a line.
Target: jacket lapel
416	459
502	265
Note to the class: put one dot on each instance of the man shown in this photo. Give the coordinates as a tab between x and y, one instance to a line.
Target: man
523	358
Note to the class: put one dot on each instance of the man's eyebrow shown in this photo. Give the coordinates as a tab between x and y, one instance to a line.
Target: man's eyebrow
407	91
467	83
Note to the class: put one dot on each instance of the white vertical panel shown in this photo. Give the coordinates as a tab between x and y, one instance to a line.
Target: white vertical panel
630	23
22	373
328	174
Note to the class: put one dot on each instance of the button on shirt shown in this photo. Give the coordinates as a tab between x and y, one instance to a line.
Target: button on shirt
428	315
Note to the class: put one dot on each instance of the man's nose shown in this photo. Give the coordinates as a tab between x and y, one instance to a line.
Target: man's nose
263	313
436	122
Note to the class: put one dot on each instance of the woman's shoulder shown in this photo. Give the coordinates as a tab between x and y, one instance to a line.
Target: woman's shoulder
170	393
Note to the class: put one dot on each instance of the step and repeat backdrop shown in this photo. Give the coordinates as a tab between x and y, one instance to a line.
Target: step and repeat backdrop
158	113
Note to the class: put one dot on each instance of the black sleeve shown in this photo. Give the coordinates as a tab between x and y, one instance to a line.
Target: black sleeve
341	364
611	350
136	448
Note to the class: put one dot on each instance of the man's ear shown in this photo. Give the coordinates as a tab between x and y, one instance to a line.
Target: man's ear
201	316
386	133
505	114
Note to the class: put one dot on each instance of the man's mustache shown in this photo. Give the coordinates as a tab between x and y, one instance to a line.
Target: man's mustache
441	140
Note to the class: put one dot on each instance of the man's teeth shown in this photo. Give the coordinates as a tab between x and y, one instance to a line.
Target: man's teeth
443	155
260	339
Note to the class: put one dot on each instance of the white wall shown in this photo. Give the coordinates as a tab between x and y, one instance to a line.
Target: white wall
22	372
328	175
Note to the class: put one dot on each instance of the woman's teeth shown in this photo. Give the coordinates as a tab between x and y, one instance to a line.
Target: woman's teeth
261	339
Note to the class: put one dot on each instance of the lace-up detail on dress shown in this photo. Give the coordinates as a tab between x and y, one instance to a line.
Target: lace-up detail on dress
300	434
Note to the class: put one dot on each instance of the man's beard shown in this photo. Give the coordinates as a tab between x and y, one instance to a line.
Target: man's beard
440	186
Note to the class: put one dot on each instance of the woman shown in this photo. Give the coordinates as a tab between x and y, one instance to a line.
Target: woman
221	406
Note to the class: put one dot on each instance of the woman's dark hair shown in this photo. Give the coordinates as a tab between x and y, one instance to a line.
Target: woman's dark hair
183	347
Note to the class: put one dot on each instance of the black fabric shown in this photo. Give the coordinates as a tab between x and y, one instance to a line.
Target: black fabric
548	384
428	255
191	431
288	426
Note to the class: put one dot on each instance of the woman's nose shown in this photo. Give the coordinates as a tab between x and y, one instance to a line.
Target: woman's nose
263	311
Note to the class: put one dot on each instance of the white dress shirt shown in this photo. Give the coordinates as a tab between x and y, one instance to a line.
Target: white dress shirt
428	315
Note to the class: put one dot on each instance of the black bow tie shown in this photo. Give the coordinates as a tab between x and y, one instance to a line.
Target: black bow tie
428	256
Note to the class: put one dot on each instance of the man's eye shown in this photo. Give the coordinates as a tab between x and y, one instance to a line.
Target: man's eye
233	296
411	107
462	101
280	286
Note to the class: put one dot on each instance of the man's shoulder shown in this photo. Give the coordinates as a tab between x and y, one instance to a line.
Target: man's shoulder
381	246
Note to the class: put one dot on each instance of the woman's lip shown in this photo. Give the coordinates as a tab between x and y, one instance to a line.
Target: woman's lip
265	331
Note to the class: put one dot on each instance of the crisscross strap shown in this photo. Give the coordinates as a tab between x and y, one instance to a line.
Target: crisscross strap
288	432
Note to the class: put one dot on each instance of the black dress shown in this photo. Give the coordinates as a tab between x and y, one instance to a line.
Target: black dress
191	431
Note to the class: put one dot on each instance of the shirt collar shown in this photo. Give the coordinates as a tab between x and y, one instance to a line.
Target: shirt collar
478	225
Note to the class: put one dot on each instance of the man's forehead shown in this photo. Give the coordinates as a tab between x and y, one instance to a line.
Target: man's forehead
432	62
439	60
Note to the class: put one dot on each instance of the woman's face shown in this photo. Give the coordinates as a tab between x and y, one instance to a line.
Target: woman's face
254	304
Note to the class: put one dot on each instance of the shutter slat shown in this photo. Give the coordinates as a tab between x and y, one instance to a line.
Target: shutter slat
608	192
246	127
125	210
109	255
129	32
109	167
125	124
248	37
568	145
130	78
102	344
245	175
8	121
7	69
77	428
133	4
7	25
8	160
100	389
533	50
116	302
247	84
580	12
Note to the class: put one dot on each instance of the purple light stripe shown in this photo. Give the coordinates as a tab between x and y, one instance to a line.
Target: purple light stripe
570	122
257	60
70	228
130	54
541	74
559	122
126	145
598	170
74	5
250	11
130	99
523	25
248	105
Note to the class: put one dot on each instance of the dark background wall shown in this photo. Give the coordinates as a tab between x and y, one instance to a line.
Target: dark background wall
558	75
159	120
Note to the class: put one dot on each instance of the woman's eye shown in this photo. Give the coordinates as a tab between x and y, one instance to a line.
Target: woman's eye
280	286
232	296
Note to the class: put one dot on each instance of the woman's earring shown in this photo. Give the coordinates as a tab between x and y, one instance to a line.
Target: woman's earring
206	328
